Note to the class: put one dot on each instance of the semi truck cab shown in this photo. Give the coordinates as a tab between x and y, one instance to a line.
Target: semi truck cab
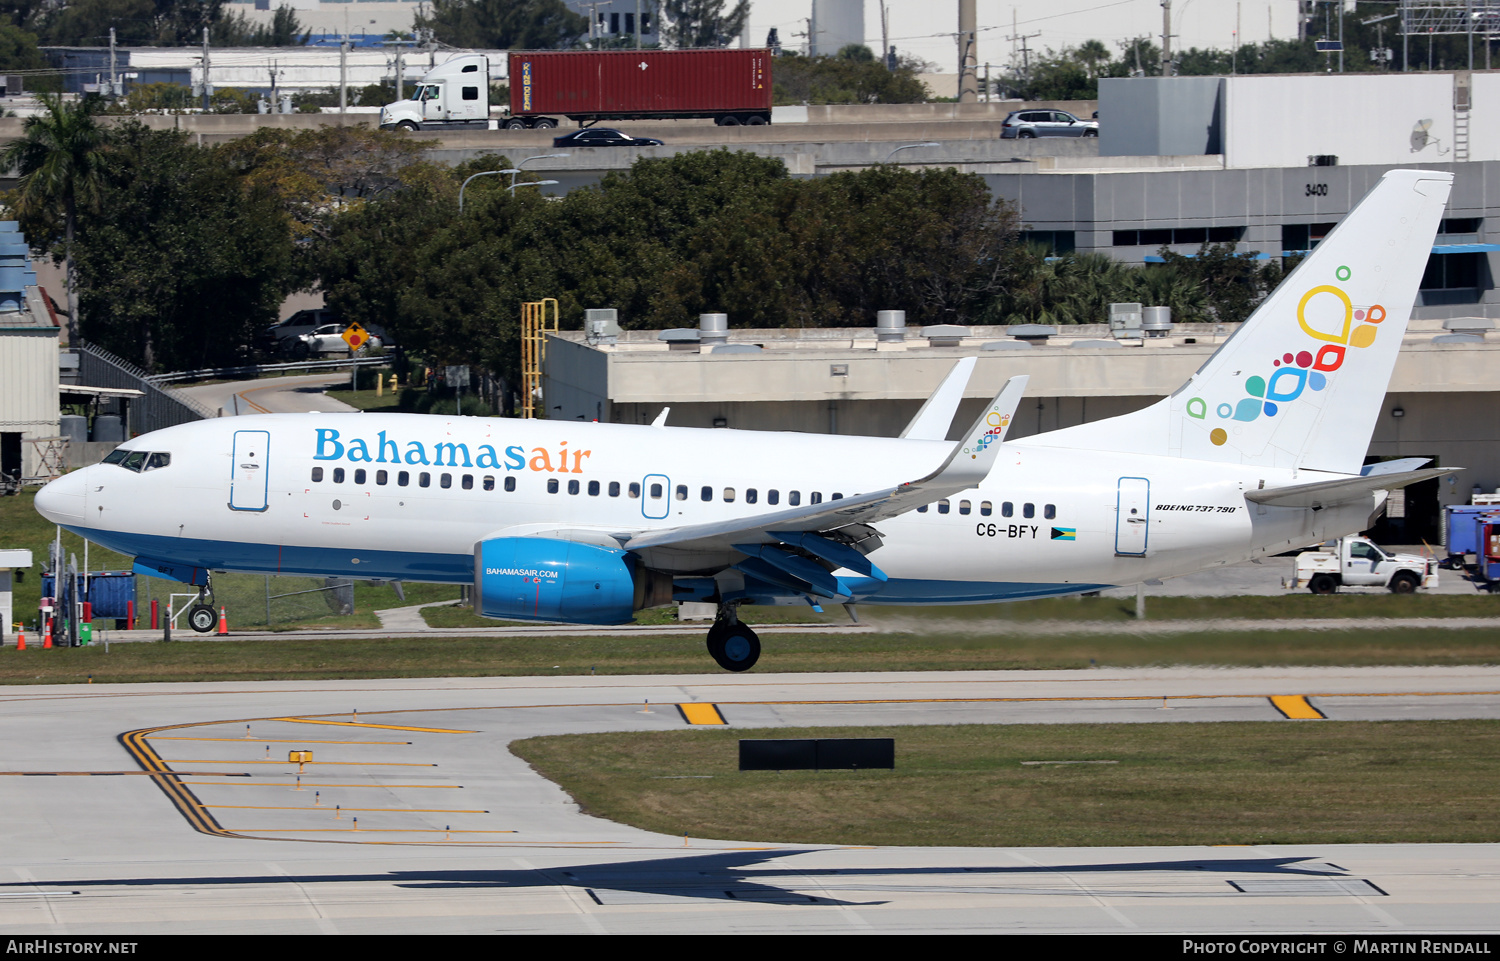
452	93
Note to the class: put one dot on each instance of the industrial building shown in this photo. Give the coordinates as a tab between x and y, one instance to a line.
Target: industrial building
29	401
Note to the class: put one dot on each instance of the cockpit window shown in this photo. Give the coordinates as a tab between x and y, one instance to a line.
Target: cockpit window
115	456
158	460
138	460
135	460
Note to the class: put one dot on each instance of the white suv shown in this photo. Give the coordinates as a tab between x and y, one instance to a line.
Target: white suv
329	339
1025	124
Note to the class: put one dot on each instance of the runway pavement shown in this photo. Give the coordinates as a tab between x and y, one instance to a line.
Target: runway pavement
272	395
132	809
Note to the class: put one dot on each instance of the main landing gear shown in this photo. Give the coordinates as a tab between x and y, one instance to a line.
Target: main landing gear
201	616
732	644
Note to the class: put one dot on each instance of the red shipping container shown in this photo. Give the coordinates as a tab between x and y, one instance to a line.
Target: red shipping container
642	84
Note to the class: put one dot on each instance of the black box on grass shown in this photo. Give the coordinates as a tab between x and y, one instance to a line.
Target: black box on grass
814	754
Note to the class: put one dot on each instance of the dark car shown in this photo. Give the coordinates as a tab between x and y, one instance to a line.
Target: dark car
602	137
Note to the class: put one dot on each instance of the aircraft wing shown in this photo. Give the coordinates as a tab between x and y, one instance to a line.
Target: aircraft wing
967	464
932	421
1345	490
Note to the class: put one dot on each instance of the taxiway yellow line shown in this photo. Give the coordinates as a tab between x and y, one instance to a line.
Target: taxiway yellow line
385	727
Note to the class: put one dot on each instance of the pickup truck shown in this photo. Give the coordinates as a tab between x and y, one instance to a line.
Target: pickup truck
1357	562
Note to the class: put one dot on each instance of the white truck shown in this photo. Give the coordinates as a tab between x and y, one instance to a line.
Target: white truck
452	94
1357	562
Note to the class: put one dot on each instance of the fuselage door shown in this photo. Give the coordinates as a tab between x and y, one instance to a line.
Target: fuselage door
248	471
656	496
1132	516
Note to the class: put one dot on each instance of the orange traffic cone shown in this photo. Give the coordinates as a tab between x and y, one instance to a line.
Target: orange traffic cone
47	636
223	622
21	640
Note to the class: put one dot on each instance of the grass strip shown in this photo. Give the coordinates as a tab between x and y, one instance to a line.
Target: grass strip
1205	783
187	660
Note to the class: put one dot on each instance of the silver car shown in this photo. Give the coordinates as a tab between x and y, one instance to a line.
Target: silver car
1025	124
329	339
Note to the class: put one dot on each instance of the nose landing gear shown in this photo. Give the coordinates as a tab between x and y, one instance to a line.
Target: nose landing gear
731	644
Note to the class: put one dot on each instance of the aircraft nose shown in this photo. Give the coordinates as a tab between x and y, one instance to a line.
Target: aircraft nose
61	501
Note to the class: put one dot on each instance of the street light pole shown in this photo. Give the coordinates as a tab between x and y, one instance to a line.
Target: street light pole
482	173
909	146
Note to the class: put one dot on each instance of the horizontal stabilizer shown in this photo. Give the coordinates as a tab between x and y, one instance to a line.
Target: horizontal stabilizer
1398	466
1343	491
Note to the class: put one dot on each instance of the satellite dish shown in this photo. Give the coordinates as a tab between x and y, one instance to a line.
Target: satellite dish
1420	137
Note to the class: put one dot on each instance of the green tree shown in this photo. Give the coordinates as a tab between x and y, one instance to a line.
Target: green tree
185	259
18	49
702	23
234	29
60	159
504	24
796	79
86	23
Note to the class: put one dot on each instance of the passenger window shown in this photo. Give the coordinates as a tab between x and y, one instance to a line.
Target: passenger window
317	475
729	495
359	476
510	483
1050	512
552	485
381	478
1029	510
816	497
573	487
446	480
489	482
468	483
985	507
942	507
635	490
655	491
424	479
706	494
794	498
835	497
593	488
338	475
614	488
403	479
682	492
158	461
773	497
1007	509
922	509
751	495
963	507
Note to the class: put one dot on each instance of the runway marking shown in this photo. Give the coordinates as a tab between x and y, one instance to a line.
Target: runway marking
308	784
114	774
202	760
171	785
312	807
384	727
351	830
272	740
1295	707
699	713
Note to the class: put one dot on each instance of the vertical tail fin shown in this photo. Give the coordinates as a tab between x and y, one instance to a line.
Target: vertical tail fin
1301	383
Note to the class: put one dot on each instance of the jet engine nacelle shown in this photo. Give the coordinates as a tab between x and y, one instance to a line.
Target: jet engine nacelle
545	579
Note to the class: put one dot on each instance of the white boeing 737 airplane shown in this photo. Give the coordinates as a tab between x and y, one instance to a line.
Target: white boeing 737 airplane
1259	452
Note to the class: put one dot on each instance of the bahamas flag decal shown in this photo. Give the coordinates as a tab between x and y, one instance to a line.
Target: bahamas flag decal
1064	533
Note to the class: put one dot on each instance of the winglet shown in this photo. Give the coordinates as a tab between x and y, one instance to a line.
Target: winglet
932	421
975	452
661	419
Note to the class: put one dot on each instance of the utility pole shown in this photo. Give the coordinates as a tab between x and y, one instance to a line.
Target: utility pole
885	36
1166	38
344	73
400	71
274	101
967	57
114	75
208	89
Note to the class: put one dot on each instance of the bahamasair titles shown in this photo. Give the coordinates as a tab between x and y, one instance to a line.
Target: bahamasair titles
1262	450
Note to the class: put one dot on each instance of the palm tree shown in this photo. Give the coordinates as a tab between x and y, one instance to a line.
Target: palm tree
60	159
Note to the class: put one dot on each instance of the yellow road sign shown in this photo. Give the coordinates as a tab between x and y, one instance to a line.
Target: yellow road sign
355	336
